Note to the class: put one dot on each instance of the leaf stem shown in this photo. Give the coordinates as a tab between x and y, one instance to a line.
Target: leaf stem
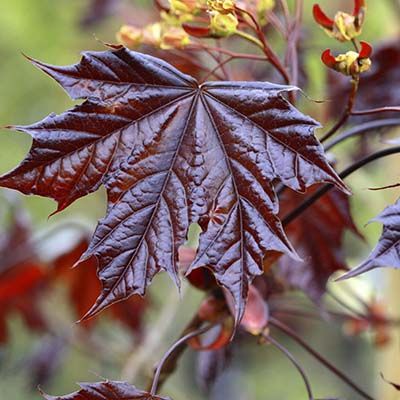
363	128
376	110
293	360
345	173
347	112
153	336
292	56
203	47
250	38
289	332
286	12
174	348
392	186
267	49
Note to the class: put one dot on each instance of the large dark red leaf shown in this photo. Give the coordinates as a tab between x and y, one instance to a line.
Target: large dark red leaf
318	237
107	390
171	152
387	251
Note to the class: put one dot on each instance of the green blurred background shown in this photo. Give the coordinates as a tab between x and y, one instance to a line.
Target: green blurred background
51	31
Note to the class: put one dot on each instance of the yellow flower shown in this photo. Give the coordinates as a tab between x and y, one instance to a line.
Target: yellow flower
344	26
174	38
152	34
186	7
221	6
263	6
130	36
223	25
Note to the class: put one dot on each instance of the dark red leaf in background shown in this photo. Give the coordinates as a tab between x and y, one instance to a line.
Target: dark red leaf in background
97	11
201	278
21	275
84	287
108	390
318	237
45	360
387	251
211	365
171	152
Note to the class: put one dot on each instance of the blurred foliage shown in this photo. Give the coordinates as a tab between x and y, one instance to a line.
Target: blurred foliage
50	31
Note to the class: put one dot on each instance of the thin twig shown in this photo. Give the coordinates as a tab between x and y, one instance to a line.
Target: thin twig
286	12
277	23
375	110
362	128
202	47
289	332
267	49
346	306
153	339
293	360
347	112
326	188
393	186
169	353
223	66
171	363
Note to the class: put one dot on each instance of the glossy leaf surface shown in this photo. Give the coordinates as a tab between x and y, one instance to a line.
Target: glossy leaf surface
171	152
107	390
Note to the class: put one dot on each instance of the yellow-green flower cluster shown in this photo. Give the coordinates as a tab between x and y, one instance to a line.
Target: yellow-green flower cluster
166	34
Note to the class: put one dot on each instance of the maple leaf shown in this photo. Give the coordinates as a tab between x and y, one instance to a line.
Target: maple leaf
22	275
387	251
171	152
318	237
107	390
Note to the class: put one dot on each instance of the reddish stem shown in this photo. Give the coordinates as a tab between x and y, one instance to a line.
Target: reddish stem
268	51
326	188
375	110
174	348
288	331
346	114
